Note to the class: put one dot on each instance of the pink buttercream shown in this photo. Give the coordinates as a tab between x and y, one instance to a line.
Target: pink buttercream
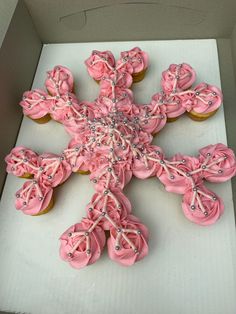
134	60
152	117
79	249
178	77
64	107
117	207
123	253
119	79
219	163
53	169
33	197
60	80
100	63
21	160
143	167
178	179
119	176
202	209
207	98
35	104
172	104
77	156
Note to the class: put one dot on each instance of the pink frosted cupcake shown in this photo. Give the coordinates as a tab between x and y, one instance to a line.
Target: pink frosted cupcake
99	64
53	169
172	104
177	77
36	105
201	206
34	198
22	162
146	166
80	246
136	63
64	107
78	157
118	207
129	242
206	102
179	177
218	163
60	81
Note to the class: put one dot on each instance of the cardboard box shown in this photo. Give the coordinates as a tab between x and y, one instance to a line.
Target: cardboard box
27	26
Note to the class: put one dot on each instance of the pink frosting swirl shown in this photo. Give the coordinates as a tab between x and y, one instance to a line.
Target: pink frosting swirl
122	101
153	117
81	246
177	77
100	63
143	167
177	177
202	206
172	104
75	124
33	197
60	80
134	60
119	79
53	169
64	107
35	104
21	160
207	98
128	247
119	174
77	156
116	204
218	163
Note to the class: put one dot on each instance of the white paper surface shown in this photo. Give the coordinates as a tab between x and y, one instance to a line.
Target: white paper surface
190	269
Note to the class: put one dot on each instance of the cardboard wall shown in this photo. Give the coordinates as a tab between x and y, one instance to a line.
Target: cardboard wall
111	20
19	55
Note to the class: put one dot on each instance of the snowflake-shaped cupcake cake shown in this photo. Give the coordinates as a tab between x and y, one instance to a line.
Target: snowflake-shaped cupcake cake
112	141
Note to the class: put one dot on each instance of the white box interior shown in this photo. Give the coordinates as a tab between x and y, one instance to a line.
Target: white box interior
190	269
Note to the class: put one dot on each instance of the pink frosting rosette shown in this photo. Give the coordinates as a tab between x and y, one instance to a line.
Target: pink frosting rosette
177	176
129	242
123	97
134	60
116	206
123	101
218	163
59	81
177	77
81	245
145	167
153	117
172	104
201	206
119	79
35	104
77	156
22	160
118	174
76	125
100	63
207	98
53	169
64	107
33	197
